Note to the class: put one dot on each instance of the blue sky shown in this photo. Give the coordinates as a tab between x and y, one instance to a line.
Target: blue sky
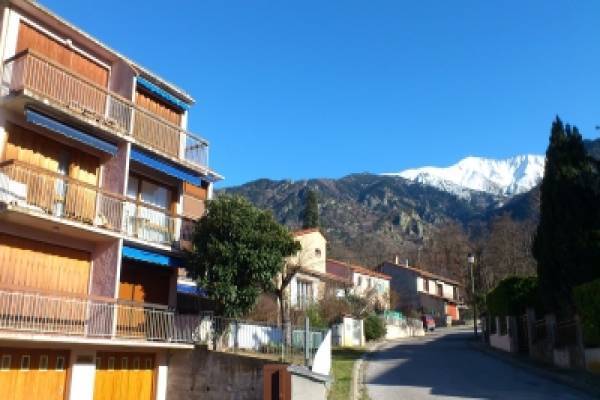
311	89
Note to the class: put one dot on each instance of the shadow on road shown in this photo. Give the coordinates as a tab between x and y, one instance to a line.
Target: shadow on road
445	364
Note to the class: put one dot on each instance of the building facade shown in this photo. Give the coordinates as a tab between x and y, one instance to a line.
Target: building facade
312	281
100	183
365	281
424	292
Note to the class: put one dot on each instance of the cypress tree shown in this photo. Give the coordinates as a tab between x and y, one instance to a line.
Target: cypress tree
567	241
311	211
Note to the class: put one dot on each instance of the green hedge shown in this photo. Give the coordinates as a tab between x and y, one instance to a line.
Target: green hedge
374	327
513	296
587	300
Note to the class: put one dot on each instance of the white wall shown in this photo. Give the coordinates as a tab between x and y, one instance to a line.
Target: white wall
83	372
161	376
322	359
307	256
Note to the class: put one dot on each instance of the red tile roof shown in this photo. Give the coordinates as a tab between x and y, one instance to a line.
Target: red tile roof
301	232
422	272
331	264
325	276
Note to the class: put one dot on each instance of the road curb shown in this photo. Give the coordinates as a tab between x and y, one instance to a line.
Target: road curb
529	365
358	373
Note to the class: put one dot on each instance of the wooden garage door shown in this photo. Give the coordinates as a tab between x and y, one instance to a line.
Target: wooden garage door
31	38
38	265
124	376
33	374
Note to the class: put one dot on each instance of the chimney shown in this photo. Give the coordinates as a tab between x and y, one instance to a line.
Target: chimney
407	262
397	260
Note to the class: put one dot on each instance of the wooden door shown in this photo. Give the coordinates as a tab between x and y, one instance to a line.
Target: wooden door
124	376
33	374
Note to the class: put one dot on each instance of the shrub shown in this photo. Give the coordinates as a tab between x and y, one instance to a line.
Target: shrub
374	327
513	296
587	301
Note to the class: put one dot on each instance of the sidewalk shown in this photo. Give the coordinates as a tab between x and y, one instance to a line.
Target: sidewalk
580	380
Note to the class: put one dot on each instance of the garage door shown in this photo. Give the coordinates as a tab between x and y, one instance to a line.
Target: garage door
124	376
33	374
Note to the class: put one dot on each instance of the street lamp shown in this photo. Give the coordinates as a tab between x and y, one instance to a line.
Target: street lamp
471	262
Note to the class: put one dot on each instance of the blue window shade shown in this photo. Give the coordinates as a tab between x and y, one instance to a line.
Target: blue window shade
191	289
163	94
151	257
165	166
55	126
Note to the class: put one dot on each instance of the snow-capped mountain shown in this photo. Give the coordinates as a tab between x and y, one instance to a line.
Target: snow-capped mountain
504	178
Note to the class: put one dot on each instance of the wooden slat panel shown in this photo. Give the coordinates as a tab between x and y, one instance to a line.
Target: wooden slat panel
135	381
198	192
39	265
31	38
157	107
37	382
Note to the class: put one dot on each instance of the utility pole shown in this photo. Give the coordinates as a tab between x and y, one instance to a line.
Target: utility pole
471	262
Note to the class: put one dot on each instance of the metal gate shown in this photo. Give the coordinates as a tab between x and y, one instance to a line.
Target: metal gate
522	334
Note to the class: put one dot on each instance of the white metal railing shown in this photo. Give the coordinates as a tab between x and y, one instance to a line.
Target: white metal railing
29	70
43	314
149	224
36	190
59	84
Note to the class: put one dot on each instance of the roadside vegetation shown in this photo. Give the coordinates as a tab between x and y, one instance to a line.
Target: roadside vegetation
341	369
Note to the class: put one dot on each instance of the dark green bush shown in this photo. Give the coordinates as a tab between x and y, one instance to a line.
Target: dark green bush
374	328
513	296
587	301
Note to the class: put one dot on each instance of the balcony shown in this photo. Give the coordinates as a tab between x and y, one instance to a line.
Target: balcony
38	314
33	190
30	73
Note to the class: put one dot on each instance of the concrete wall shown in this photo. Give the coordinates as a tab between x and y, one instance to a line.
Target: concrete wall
592	360
403	282
106	263
313	254
307	385
206	375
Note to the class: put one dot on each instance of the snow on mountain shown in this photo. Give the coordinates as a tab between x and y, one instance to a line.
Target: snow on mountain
499	177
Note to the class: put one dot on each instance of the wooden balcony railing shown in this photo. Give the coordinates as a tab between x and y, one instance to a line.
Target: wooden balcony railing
32	71
90	318
40	191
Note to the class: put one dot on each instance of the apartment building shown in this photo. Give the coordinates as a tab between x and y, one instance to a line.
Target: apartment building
425	292
100	183
311	281
365	282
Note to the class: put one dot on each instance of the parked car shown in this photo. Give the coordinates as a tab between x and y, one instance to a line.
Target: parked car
428	322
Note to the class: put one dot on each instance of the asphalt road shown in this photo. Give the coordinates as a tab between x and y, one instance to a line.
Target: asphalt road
444	366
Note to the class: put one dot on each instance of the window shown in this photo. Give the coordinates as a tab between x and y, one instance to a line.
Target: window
124	363
359	281
304	293
60	363
5	364
25	362
440	289
136	363
111	363
148	363
317	252
98	362
425	285
454	292
43	366
148	192
370	283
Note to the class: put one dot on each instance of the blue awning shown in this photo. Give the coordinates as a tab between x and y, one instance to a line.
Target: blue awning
151	257
165	166
163	94
55	126
191	289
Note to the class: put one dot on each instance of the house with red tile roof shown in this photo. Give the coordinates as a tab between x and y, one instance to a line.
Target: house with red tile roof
424	292
365	281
